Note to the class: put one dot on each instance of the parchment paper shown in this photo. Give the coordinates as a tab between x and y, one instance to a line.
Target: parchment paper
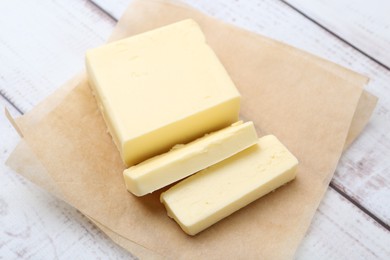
308	103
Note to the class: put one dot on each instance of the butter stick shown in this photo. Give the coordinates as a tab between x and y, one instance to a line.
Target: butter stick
161	88
216	192
184	160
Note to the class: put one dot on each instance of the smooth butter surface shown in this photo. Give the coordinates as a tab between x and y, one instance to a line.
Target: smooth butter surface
184	160
161	88
216	192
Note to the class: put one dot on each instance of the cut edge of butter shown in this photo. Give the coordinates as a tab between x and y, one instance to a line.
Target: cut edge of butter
210	195
184	160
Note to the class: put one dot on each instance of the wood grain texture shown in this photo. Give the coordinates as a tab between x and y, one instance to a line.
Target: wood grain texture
43	44
340	231
33	224
363	170
363	24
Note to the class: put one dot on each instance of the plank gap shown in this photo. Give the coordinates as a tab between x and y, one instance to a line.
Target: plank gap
335	35
9	101
103	10
362	208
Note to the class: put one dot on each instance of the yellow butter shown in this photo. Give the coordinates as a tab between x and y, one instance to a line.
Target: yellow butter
161	88
185	160
216	192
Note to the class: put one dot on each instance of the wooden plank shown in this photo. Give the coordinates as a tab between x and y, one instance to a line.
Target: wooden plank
45	44
362	171
363	24
34	224
65	244
340	231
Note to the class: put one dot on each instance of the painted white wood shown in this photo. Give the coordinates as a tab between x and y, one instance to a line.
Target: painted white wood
364	24
42	44
47	228
340	231
363	170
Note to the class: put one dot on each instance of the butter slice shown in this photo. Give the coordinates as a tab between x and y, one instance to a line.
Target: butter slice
216	192
184	160
161	88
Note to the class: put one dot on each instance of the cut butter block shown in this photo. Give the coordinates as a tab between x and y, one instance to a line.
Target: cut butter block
161	88
216	192
184	160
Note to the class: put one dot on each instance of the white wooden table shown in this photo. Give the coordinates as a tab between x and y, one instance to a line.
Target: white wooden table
43	42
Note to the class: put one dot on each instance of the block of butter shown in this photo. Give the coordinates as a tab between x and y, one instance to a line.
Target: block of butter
161	88
184	160
216	192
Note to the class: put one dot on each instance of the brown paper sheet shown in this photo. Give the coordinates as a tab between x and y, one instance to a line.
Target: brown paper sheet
364	109
24	161
305	101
